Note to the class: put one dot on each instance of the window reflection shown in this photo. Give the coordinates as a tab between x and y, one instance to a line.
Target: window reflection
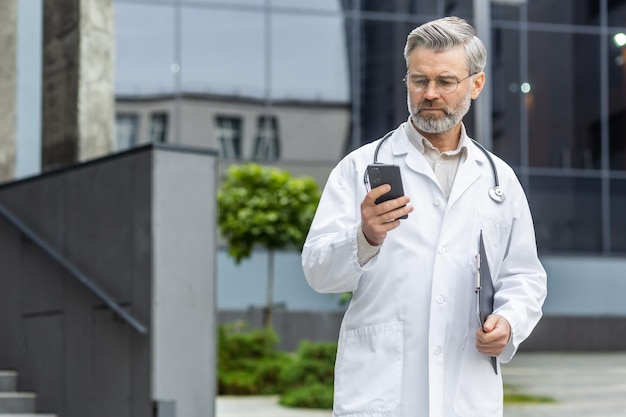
618	220
126	130
564	103
617	105
229	133
144	52
566	212
267	141
583	12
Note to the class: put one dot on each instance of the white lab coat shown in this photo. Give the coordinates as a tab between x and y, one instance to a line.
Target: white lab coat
407	340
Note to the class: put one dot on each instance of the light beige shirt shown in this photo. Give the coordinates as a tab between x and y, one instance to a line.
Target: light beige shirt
444	165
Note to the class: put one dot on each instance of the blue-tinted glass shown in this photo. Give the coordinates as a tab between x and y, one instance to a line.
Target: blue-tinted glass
618	217
505	11
566	213
223	52
617	13
144	53
309	58
575	12
617	102
563	103
505	83
317	5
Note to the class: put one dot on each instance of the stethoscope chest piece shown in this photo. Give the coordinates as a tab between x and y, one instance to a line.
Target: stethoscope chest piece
496	194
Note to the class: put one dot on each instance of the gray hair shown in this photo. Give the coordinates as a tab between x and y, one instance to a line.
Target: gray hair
446	33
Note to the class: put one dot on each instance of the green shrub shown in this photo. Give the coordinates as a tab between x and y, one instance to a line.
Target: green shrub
309	377
311	396
248	363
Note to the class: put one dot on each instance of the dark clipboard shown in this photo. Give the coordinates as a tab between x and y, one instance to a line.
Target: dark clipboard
484	291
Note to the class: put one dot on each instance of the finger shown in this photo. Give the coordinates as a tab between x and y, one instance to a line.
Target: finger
377	192
490	323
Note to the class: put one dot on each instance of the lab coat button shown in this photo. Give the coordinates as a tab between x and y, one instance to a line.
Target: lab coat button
441	299
437	351
437	201
442	251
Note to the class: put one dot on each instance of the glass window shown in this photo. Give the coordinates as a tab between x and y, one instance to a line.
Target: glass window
506	11
617	102
423	7
617	12
267	140
126	130
144	52
618	219
228	133
313	63
382	68
575	12
223	52
566	213
158	127
506	93
317	5
563	100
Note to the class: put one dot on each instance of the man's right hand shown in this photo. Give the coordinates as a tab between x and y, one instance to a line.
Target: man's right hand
378	219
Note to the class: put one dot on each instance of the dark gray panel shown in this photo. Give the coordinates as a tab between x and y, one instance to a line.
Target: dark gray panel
111	367
42	281
79	351
42	365
98	236
141	226
39	204
9	296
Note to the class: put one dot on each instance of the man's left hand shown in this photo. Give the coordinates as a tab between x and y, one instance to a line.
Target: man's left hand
494	335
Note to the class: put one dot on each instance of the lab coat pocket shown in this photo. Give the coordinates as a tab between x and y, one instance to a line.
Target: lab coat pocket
368	374
479	390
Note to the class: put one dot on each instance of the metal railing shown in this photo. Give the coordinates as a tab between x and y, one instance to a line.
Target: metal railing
73	270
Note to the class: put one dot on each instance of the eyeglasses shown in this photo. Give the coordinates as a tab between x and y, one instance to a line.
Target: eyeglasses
445	84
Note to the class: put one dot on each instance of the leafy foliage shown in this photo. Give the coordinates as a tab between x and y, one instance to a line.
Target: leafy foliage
248	363
310	376
264	206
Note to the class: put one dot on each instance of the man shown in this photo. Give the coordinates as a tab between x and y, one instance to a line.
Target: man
411	343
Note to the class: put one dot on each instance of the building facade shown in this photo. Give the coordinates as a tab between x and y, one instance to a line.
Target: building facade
299	84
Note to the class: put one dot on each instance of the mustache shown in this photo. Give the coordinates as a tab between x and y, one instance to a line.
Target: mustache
431	105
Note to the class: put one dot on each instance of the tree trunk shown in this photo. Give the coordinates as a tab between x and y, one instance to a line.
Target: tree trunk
269	304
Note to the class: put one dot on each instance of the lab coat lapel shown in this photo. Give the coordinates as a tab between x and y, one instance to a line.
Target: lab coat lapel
468	172
413	159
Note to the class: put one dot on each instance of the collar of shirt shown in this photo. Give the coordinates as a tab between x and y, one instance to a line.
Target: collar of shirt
421	143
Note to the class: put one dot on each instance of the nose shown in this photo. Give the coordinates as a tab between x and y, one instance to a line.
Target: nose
431	92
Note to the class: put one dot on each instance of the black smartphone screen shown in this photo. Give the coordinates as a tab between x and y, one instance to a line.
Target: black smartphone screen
379	174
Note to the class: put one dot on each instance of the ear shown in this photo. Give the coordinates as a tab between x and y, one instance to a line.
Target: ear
478	82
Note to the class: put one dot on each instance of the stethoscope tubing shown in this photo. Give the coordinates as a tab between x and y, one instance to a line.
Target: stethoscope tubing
495	192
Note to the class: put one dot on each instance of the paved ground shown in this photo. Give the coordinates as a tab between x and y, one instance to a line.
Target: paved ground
584	385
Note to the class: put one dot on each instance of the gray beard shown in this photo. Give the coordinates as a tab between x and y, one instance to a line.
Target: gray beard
433	125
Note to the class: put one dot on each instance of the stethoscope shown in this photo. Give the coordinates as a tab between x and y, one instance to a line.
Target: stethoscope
495	192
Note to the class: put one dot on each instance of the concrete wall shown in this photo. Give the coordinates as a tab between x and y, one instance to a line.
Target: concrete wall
8	88
309	131
78	81
184	264
117	220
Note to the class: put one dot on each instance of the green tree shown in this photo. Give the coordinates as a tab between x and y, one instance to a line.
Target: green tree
267	207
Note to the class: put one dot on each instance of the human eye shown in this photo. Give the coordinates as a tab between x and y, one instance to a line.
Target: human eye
447	82
419	82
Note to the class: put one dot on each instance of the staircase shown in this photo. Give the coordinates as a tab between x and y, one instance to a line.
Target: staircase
16	404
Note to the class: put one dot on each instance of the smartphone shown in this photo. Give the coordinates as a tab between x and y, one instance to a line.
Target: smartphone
379	174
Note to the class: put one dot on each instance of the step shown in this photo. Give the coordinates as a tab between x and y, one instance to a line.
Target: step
17	402
8	381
